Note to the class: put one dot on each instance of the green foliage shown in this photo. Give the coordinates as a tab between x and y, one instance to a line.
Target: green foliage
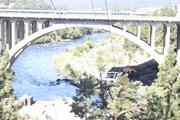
79	49
6	2
130	48
130	100
145	32
70	33
117	95
164	11
84	106
159	34
123	98
7	97
66	68
132	28
31	4
163	95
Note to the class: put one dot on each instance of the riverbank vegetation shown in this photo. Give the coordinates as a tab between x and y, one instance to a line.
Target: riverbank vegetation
123	99
96	58
64	34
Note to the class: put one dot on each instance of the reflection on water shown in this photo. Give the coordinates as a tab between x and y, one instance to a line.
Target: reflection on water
35	72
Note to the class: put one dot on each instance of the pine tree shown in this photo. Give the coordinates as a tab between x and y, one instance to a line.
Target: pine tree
163	95
7	97
123	98
86	103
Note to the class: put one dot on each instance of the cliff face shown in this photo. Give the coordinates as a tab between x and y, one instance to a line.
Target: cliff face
145	72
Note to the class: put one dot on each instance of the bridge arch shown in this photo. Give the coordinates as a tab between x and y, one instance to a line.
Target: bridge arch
16	50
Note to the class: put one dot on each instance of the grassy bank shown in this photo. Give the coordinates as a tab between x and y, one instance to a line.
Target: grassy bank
93	58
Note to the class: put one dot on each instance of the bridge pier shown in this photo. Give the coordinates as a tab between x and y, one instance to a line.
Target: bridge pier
124	27
139	31
33	27
21	30
26	24
13	33
39	24
8	35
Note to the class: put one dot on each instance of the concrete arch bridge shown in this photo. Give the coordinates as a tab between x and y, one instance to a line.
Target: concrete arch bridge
19	28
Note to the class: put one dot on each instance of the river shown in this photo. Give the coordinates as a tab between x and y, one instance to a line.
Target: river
34	70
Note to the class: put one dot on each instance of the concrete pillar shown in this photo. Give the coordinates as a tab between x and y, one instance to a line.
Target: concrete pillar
125	28
26	25
13	33
178	44
139	31
1	37
167	38
8	35
39	24
21	30
46	24
153	33
33	27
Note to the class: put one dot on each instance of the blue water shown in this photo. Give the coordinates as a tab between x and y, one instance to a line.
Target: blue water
34	70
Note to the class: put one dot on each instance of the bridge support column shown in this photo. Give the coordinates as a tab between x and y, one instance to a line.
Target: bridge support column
26	24
178	44
153	33
167	38
1	42
8	35
139	31
125	28
39	24
13	33
46	24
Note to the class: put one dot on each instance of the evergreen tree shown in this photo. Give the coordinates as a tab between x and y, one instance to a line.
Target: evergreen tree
163	96
86	103
7	97
123	99
119	100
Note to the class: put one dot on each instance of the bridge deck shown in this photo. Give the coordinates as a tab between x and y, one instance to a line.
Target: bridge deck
88	15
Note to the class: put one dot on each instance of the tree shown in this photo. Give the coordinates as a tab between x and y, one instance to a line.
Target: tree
86	103
31	4
164	11
163	96
7	97
123	98
117	94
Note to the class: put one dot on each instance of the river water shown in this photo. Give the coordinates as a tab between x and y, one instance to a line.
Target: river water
34	70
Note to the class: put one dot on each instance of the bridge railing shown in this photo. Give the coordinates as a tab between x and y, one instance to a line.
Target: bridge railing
69	13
